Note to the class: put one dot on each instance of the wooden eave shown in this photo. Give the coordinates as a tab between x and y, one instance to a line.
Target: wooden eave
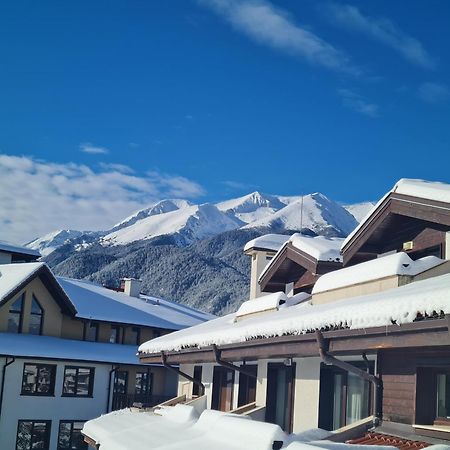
426	333
52	286
287	266
400	205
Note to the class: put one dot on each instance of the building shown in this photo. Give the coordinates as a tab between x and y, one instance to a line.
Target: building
367	349
68	353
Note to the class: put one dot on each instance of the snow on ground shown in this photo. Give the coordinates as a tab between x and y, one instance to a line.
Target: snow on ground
194	222
93	301
375	269
180	428
267	242
398	305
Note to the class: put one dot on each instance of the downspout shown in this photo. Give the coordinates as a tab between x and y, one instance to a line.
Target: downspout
2	388
376	382
230	366
184	375
108	397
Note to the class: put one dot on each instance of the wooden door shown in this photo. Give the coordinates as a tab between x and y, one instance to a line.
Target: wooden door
223	385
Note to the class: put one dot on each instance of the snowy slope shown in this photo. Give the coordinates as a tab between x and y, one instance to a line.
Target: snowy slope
251	207
51	241
318	213
360	210
164	206
189	224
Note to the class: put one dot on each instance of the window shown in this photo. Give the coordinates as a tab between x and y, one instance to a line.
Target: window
16	316
142	384
247	385
70	437
38	379
91	331
78	381
135	336
114	336
120	382
33	434
443	396
36	317
198	377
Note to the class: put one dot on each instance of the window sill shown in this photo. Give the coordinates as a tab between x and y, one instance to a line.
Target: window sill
435	431
26	394
77	396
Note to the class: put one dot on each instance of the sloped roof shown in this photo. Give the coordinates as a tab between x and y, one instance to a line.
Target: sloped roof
270	242
398	305
19	249
95	302
49	347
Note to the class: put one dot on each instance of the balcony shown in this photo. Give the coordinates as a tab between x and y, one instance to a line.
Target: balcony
121	401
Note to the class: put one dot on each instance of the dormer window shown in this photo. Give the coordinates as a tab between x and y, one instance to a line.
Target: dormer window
36	317
15	317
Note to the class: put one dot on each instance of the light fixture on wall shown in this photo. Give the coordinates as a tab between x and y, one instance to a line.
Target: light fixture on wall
288	362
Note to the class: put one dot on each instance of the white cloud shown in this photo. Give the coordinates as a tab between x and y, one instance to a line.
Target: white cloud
87	147
274	27
434	92
358	103
382	30
118	167
38	196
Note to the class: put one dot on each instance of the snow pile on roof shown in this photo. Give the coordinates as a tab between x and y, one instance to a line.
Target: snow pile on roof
176	428
398	305
96	302
267	242
375	269
430	190
320	248
33	346
261	304
13	248
12	275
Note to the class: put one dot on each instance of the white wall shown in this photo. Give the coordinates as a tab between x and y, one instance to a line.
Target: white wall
55	408
306	395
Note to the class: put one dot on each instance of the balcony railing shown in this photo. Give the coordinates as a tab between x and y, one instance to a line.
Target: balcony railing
121	401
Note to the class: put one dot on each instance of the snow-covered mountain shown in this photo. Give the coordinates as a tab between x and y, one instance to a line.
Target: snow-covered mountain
315	212
360	210
188	224
51	241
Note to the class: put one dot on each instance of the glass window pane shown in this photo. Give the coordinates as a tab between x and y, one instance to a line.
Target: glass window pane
120	382
39	438
35	324
44	382
13	322
443	395
70	376
29	381
114	336
357	398
64	434
17	305
24	430
77	438
35	307
91	332
83	381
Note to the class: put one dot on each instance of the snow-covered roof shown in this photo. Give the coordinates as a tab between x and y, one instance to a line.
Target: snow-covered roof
267	242
321	248
13	248
398	305
95	302
12	275
429	190
32	346
261	304
375	269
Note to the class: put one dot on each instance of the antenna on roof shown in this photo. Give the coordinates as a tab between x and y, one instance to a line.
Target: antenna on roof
301	215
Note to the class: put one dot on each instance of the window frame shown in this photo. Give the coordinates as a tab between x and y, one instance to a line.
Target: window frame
72	422
86	327
90	386
42	315
136	330
148	385
48	430
117	328
20	312
52	380
115	384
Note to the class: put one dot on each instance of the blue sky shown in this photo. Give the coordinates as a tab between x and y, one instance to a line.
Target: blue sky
212	99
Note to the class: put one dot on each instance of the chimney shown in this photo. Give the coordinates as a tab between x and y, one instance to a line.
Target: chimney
131	286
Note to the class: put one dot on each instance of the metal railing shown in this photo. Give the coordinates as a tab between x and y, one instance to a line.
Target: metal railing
121	401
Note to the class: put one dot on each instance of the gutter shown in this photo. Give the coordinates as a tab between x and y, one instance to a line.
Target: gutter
2	388
376	381
108	397
183	374
221	362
